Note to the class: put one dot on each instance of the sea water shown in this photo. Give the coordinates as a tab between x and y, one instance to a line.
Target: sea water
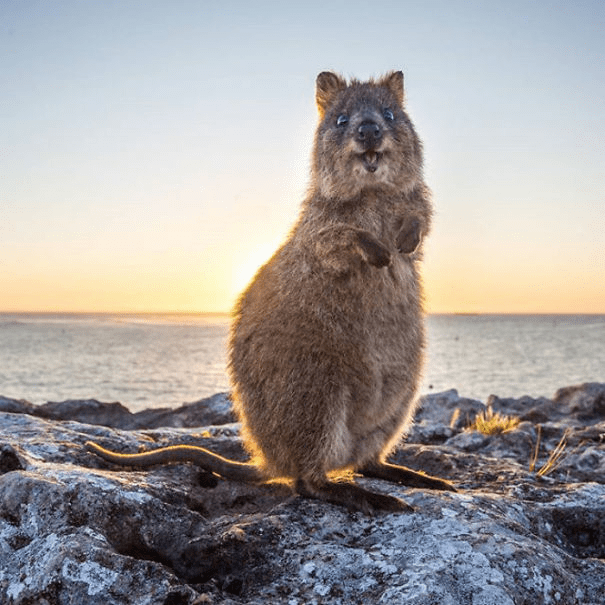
167	360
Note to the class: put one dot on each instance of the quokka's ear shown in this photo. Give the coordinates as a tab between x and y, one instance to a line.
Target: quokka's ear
394	82
327	85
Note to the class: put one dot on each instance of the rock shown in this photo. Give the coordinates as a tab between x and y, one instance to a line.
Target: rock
16	406
211	410
89	411
74	529
586	402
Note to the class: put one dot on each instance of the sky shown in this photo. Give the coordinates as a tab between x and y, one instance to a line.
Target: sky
154	154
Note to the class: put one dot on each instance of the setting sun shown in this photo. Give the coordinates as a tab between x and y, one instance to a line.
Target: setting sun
251	262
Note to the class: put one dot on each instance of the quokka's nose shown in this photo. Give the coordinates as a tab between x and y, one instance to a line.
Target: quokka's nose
369	133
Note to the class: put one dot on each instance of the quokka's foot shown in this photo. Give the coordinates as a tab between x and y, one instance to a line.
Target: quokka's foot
409	237
352	497
405	476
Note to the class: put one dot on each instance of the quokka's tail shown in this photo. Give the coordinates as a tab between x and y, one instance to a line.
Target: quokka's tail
228	469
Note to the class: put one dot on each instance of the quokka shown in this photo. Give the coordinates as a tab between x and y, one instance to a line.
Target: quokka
326	344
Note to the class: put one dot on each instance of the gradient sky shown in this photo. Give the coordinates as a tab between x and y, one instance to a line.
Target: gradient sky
153	154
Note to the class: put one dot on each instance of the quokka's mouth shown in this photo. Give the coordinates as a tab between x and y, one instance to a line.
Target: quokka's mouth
370	160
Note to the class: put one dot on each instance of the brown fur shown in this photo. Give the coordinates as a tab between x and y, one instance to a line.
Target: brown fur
326	343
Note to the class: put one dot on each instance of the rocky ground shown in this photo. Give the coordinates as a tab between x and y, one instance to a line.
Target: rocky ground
76	530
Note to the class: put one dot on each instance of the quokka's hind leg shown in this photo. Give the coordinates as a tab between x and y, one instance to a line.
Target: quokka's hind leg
351	496
404	476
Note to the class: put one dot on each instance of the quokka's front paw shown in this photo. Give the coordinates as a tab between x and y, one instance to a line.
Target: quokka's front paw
372	250
409	237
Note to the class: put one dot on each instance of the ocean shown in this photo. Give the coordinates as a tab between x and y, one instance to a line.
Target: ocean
165	360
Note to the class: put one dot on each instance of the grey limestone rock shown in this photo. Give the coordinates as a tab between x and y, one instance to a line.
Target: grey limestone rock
211	410
74	529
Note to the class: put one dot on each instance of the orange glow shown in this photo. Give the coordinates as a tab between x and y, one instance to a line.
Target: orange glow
246	267
480	288
212	284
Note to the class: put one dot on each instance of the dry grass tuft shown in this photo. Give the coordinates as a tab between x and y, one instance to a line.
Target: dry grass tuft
554	459
493	423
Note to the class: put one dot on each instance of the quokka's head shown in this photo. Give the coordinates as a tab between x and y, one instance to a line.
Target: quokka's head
365	139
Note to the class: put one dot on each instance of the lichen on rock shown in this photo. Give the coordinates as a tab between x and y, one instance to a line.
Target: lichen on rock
74	529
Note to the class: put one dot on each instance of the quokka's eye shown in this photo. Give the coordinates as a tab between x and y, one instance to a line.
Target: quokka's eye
342	119
388	115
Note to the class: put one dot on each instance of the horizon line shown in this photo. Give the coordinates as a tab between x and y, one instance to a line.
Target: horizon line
229	313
